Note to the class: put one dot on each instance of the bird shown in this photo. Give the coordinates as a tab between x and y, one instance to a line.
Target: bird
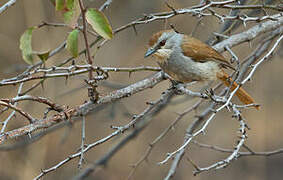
186	59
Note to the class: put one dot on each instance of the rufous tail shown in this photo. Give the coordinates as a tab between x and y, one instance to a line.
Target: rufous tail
243	96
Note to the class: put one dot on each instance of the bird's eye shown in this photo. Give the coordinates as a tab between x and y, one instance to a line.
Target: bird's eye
162	43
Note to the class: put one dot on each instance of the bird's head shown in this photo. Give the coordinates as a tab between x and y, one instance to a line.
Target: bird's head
161	44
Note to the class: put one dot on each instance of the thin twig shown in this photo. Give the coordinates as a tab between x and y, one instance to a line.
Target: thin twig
13	112
105	5
84	109
143	120
241	153
151	109
7	5
20	111
235	152
38	99
72	70
82	144
163	134
179	153
89	57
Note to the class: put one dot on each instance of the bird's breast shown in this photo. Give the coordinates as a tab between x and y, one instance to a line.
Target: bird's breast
184	69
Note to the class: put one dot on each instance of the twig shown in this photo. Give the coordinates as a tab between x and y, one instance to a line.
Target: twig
200	131
189	131
143	120
235	152
89	58
15	108
231	41
268	55
32	87
38	99
192	10
141	117
7	5
13	112
256	6
241	153
72	70
262	47
249	34
156	140
82	144
234	56
26	72
72	113
179	153
224	163
92	92
105	5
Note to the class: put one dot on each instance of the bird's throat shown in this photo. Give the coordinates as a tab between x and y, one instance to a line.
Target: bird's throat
162	54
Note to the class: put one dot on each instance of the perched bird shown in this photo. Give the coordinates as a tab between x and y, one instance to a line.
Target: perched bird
186	59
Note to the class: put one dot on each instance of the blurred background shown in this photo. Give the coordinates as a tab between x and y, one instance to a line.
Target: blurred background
127	50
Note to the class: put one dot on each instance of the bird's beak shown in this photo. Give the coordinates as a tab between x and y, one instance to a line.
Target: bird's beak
150	51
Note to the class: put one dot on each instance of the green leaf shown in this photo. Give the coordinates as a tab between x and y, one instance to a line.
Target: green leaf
99	23
71	17
68	16
43	55
70	4
60	5
25	45
72	43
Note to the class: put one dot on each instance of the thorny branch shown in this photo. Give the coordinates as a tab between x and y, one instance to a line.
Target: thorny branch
241	153
179	153
72	113
4	124
219	102
73	70
142	120
42	100
195	10
20	111
92	91
170	127
231	42
234	154
162	135
139	122
227	102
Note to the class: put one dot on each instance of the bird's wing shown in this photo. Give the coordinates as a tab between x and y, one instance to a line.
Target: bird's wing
201	52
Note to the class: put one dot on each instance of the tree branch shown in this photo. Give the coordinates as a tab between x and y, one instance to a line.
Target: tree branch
72	113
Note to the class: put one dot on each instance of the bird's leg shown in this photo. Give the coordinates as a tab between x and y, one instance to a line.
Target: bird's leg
207	86
174	83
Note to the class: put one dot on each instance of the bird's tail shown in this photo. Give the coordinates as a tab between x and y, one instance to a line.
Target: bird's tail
243	96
